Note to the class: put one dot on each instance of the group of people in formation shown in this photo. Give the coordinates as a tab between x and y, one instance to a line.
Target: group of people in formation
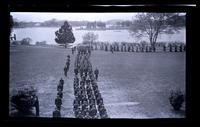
88	103
139	47
58	100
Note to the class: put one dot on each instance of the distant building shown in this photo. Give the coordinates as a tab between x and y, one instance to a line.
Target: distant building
38	24
96	25
42	43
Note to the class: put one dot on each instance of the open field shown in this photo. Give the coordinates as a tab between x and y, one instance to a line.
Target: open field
133	85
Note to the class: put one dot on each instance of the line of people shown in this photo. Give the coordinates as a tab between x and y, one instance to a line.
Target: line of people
88	101
58	100
139	47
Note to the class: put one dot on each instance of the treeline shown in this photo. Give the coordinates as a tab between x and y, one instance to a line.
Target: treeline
57	23
180	21
49	23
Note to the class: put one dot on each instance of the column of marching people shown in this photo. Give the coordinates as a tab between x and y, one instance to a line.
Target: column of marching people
88	102
58	100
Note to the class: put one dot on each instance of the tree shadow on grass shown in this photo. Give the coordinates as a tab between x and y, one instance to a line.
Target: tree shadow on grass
16	113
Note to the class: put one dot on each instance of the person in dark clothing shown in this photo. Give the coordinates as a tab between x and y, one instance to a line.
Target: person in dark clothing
76	71
68	56
170	47
93	111
96	72
66	68
36	104
61	81
56	113
14	37
180	48
175	49
72	50
58	102
60	85
60	94
87	115
79	115
164	48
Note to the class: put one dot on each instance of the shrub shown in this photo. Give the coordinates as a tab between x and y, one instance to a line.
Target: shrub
24	100
26	41
176	99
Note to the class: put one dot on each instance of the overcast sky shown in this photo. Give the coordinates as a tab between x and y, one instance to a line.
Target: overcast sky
41	16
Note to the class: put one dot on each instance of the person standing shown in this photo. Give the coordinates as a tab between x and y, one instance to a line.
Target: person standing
72	51
56	113
58	102
36	103
180	48
164	48
60	94
96	72
170	48
76	71
60	85
66	68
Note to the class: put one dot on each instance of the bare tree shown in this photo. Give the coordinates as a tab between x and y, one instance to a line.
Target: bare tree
89	38
150	25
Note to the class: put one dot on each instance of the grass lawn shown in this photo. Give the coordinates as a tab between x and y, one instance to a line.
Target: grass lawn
133	85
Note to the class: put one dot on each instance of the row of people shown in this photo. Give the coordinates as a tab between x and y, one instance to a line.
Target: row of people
85	97
138	47
84	103
88	102
58	100
84	49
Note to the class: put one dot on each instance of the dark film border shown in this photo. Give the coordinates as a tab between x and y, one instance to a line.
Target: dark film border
190	38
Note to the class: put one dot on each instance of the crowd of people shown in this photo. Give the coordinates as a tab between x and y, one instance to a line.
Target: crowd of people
88	102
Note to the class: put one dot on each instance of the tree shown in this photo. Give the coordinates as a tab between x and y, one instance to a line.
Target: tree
26	41
126	23
152	24
49	23
118	23
101	24
90	38
65	35
91	25
24	101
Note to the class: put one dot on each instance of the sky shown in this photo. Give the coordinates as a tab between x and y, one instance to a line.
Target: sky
42	16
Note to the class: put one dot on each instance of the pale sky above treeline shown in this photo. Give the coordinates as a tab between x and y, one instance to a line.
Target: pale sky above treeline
43	16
